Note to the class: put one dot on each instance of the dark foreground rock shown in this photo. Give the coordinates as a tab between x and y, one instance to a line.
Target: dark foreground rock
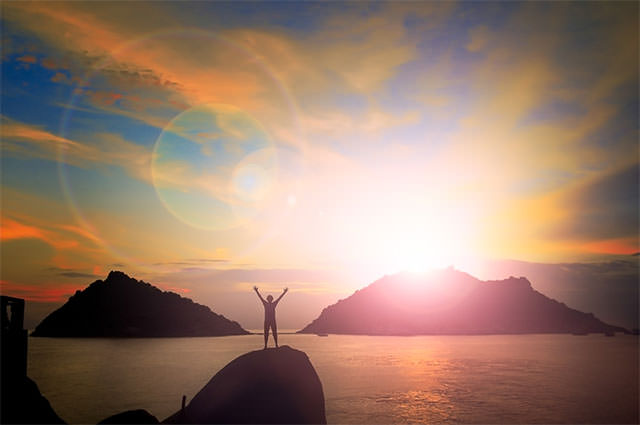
273	386
138	416
22	403
121	306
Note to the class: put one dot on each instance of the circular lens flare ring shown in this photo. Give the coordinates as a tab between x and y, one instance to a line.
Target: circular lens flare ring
213	167
242	49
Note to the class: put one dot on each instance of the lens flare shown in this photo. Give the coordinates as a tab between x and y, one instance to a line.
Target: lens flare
213	166
225	203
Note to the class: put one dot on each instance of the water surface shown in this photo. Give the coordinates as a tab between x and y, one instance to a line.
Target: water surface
366	379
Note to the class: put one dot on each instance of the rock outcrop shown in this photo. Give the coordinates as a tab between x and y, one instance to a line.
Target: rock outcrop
137	416
22	403
121	306
272	386
452	302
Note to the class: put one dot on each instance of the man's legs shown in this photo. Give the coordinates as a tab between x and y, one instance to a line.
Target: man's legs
274	329
266	333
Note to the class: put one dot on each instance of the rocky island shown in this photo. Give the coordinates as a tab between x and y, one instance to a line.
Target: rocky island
121	306
452	302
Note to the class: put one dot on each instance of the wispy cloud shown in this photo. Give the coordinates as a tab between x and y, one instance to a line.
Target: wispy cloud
32	141
11	229
36	293
83	274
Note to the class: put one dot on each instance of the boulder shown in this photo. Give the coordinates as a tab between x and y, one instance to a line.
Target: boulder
22	403
138	416
272	386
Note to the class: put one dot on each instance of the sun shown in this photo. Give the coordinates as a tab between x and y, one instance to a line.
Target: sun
419	255
417	259
422	242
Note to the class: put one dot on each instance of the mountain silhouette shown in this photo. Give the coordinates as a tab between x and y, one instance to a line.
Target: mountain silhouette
121	306
449	301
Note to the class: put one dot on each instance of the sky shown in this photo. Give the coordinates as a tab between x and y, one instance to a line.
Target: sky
208	147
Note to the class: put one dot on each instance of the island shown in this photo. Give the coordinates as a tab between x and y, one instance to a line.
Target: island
121	306
451	302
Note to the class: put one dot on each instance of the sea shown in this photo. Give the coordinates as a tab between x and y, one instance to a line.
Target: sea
495	379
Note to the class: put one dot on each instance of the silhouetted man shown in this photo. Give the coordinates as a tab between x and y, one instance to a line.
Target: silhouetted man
270	315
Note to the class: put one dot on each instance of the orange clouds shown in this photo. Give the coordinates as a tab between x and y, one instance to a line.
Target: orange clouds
621	246
42	293
37	232
28	59
11	229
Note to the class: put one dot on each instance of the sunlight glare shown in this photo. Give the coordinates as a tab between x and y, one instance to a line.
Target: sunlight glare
430	240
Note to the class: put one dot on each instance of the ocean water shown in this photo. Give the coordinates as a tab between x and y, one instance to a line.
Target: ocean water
366	379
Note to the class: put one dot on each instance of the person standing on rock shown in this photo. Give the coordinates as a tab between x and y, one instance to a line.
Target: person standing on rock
270	315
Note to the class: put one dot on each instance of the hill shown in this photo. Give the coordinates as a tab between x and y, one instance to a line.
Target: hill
121	306
452	302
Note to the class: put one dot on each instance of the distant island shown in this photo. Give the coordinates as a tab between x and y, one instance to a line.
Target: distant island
452	302
121	306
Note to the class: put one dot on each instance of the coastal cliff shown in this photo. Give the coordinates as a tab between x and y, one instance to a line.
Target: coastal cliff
272	386
121	306
452	302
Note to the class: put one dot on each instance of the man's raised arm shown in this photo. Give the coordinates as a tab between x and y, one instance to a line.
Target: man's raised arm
282	295
255	288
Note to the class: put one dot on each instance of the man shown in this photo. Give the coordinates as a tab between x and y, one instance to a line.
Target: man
270	315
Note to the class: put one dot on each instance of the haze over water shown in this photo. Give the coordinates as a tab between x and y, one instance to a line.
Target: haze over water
366	379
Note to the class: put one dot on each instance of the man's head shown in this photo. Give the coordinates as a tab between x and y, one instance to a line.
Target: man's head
269	298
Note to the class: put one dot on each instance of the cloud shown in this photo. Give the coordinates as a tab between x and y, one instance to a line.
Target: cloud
37	233
35	293
76	274
192	262
14	130
15	230
32	141
357	50
27	59
604	207
536	67
12	230
71	273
